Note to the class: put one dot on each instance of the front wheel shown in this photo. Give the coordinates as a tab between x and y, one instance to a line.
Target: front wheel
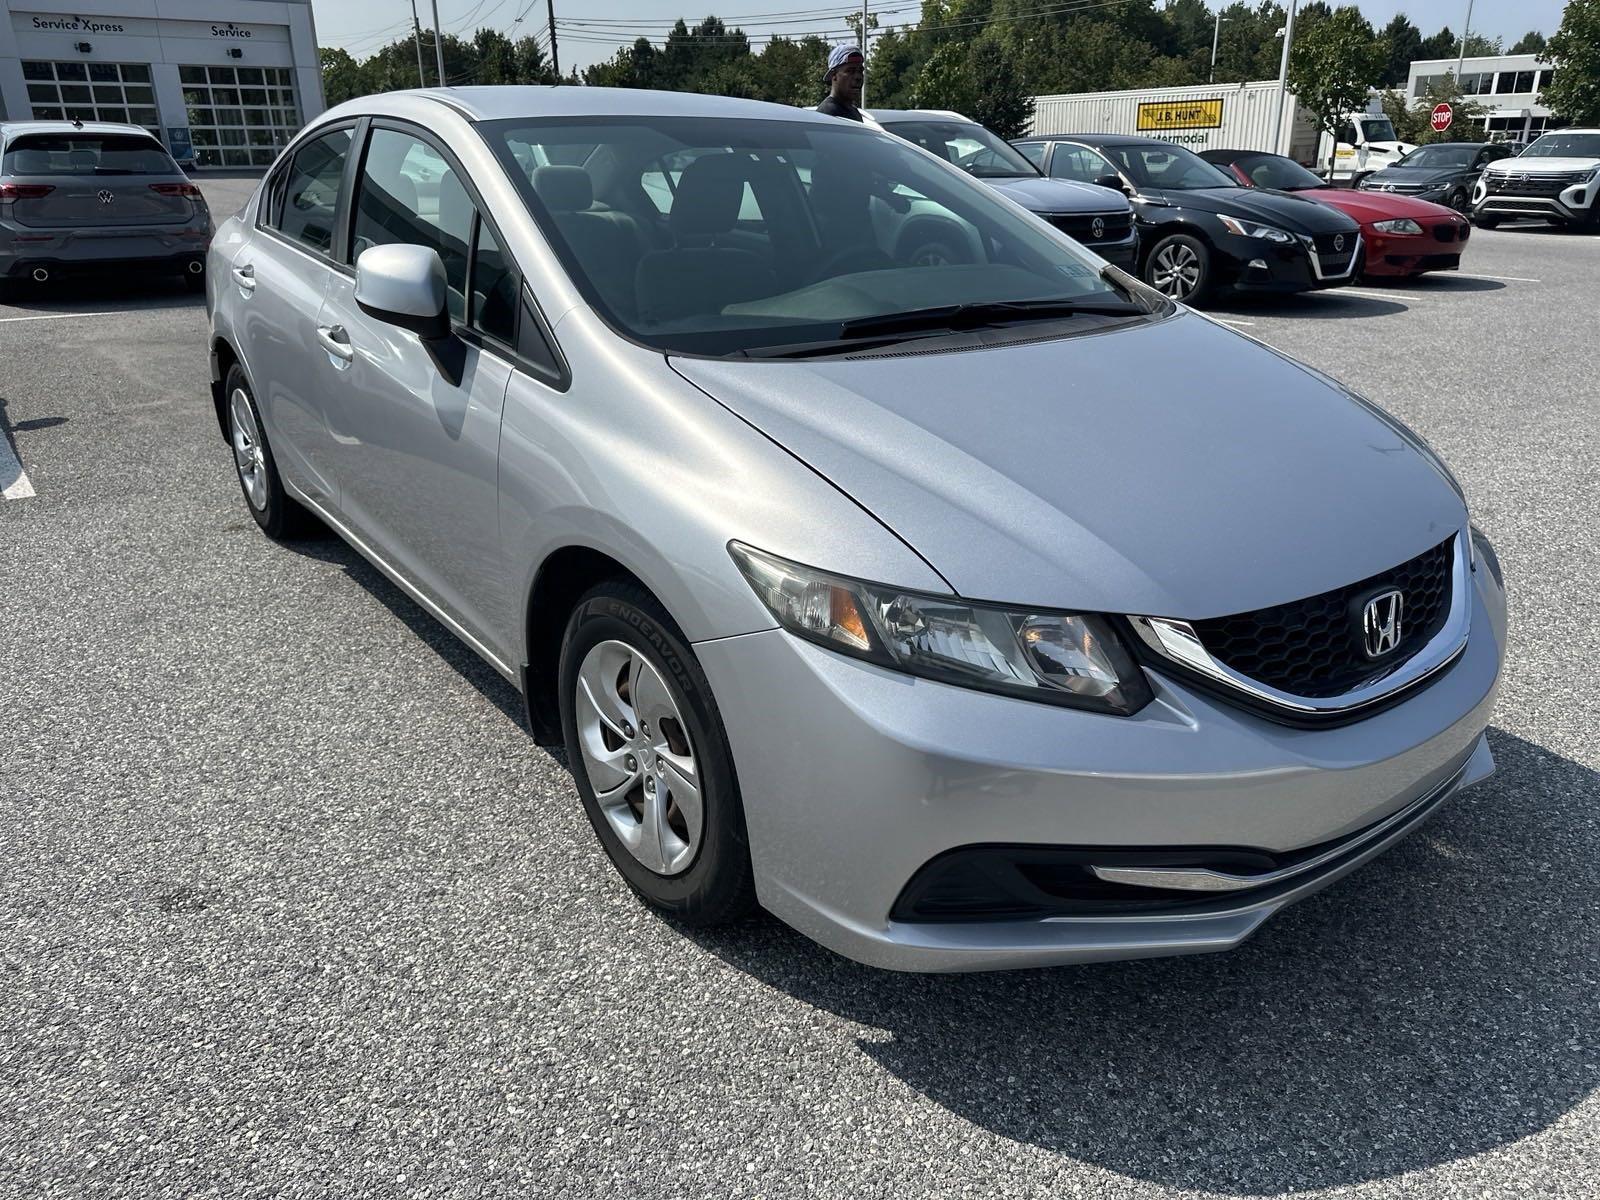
1486	222
1459	201
650	757
1179	266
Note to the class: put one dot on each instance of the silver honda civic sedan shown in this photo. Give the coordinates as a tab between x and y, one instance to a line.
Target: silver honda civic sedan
964	615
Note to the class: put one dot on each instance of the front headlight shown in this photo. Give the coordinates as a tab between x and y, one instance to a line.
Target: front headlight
1251	229
1398	225
1073	659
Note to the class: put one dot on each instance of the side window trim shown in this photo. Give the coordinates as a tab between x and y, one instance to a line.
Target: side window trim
273	194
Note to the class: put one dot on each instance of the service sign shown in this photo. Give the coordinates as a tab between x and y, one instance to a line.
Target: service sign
1163	115
80	25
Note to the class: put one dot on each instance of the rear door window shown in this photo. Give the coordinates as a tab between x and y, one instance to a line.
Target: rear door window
1078	163
304	204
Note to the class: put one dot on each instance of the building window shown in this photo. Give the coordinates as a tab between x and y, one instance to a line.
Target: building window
1424	82
1477	83
239	116
1514	83
1546	78
78	91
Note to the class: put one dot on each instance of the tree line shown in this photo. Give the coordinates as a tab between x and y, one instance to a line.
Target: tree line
987	58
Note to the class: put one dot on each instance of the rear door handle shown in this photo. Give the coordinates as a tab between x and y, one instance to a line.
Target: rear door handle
336	341
245	277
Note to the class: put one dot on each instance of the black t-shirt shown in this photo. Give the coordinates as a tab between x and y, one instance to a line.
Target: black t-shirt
833	108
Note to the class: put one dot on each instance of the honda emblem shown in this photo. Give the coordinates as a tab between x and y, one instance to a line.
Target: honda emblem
1380	623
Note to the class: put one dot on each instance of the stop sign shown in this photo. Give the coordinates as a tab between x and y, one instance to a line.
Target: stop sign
1442	116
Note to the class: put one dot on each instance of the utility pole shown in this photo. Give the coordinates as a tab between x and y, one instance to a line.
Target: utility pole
864	36
1465	29
1283	80
438	42
555	55
1216	32
416	30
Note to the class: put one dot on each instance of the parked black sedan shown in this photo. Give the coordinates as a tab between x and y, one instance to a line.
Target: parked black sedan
1442	173
1198	229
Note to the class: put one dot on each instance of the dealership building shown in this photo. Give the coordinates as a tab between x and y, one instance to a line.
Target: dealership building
1507	85
224	83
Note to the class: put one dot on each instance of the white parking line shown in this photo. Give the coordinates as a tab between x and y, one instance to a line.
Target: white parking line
57	316
1376	295
14	481
1507	278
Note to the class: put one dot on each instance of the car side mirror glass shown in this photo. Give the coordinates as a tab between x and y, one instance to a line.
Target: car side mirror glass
405	286
1114	182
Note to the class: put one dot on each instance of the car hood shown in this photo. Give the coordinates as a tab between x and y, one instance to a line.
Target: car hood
1171	469
1378	206
1417	176
1059	196
1259	204
1540	166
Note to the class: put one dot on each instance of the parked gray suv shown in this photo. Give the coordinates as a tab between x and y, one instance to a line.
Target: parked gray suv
78	197
964	615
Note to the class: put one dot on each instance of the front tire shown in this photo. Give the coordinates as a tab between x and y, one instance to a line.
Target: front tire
1459	201
1486	222
1179	267
280	516
650	757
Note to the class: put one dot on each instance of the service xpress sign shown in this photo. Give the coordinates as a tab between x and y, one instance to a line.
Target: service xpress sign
1164	115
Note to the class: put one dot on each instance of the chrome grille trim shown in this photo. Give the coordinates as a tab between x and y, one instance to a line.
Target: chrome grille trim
1177	642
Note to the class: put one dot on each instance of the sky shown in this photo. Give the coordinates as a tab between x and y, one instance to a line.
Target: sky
361	26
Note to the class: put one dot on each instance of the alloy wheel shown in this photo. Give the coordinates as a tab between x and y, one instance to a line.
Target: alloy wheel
638	757
1175	271
248	455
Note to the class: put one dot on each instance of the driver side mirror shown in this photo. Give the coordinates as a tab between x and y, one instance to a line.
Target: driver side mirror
405	286
1114	182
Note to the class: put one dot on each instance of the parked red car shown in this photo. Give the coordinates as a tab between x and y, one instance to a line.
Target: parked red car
1400	235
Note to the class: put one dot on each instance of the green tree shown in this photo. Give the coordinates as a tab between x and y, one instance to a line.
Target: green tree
1412	118
341	76
1001	101
1441	45
1402	46
1532	42
1332	65
1574	93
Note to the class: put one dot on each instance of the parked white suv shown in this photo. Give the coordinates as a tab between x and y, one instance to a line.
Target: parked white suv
1556	178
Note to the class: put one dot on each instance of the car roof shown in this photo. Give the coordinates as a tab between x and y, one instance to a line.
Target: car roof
494	103
10	129
892	116
1099	139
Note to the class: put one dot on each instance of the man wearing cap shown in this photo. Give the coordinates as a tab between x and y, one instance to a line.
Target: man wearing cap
847	72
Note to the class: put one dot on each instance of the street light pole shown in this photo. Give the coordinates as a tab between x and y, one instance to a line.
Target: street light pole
1283	80
864	53
1216	32
555	55
1465	29
438	42
416	31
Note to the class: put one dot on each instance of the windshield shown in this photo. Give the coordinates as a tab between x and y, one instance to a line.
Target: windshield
1564	145
1378	129
1165	166
970	146
1440	156
86	154
721	235
1275	171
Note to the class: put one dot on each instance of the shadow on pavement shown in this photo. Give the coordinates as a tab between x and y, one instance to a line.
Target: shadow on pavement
1315	306
1435	1005
91	293
328	547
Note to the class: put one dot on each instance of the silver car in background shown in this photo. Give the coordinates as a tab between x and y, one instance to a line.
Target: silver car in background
79	197
964	615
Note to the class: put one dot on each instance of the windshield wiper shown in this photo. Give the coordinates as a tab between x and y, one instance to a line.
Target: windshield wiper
979	315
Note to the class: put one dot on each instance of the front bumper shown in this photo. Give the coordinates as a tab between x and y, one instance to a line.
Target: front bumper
1258	265
871	775
1124	254
1412	254
1577	203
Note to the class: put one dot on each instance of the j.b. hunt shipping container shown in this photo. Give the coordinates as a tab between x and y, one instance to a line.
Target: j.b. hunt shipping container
1233	116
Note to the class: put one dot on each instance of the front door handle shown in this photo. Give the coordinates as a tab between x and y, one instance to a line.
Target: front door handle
245	277
336	341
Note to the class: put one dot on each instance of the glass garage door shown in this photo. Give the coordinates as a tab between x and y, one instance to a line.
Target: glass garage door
92	91
239	116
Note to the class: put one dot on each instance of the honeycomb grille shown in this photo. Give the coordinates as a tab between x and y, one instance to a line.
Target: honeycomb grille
1315	647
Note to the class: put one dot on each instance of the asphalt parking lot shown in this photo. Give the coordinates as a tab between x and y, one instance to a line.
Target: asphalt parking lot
292	906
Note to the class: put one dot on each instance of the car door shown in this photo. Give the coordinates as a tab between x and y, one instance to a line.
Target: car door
417	429
280	276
